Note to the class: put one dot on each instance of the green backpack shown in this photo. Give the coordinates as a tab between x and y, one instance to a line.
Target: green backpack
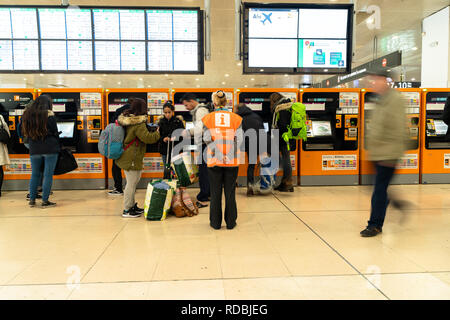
297	127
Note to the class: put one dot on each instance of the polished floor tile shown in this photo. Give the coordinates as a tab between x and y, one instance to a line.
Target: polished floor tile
338	288
300	245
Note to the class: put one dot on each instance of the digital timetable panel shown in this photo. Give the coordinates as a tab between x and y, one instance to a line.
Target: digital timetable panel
99	39
297	38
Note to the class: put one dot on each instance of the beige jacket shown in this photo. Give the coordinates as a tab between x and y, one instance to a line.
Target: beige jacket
387	135
4	157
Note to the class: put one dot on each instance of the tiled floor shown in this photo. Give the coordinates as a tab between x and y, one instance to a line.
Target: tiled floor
301	245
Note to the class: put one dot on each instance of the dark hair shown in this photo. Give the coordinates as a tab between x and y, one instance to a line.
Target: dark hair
130	100
35	118
169	104
274	98
188	97
138	108
241	105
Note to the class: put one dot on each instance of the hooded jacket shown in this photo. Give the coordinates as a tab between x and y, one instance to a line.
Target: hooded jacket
250	120
387	137
284	121
50	144
4	157
137	133
166	128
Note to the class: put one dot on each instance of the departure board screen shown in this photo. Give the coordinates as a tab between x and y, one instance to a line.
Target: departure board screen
101	39
298	38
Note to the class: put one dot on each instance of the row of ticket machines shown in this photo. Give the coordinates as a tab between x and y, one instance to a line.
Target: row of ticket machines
333	154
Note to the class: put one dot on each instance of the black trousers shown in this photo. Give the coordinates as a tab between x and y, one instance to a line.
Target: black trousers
117	176
203	180
223	178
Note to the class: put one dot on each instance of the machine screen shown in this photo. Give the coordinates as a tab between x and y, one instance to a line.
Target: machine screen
321	128
441	127
67	129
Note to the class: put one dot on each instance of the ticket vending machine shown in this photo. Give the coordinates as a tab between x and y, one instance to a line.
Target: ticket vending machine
12	105
155	98
408	166
435	160
258	101
330	155
80	119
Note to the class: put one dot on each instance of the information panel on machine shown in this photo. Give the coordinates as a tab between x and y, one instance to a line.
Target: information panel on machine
100	39
315	39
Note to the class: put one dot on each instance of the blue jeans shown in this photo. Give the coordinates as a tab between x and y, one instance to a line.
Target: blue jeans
380	199
49	162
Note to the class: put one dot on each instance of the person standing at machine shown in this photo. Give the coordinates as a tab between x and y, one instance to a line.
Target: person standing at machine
279	101
167	124
137	137
4	156
386	144
222	134
250	121
39	126
198	111
116	171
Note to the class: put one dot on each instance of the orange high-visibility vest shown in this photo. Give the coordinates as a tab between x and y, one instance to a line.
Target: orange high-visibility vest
223	151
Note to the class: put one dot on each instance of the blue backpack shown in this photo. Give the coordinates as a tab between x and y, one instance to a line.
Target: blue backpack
111	139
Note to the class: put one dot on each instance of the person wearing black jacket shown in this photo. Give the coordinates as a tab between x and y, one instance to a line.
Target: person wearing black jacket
39	126
250	121
277	100
167	125
115	170
446	117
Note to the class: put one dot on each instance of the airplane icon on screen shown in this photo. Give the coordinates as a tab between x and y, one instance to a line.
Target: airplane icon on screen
266	18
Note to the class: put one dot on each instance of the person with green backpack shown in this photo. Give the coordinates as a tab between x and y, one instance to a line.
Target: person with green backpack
290	119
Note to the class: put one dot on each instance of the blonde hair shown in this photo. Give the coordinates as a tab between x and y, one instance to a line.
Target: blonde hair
219	98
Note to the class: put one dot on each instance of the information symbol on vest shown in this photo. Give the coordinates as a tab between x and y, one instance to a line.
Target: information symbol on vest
223	120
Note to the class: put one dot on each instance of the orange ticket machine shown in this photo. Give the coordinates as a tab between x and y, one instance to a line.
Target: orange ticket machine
12	105
80	119
258	100
330	155
155	98
435	160
408	166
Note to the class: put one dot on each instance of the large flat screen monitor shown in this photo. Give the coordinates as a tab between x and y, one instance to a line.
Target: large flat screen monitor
298	38
101	39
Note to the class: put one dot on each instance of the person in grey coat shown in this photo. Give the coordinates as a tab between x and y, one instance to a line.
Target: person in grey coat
386	143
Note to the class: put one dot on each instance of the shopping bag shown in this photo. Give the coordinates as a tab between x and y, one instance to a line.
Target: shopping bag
158	199
66	162
182	205
178	207
185	169
267	176
188	203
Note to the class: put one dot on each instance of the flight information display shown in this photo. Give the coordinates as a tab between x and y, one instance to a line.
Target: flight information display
54	55
79	55
52	23
83	39
298	38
